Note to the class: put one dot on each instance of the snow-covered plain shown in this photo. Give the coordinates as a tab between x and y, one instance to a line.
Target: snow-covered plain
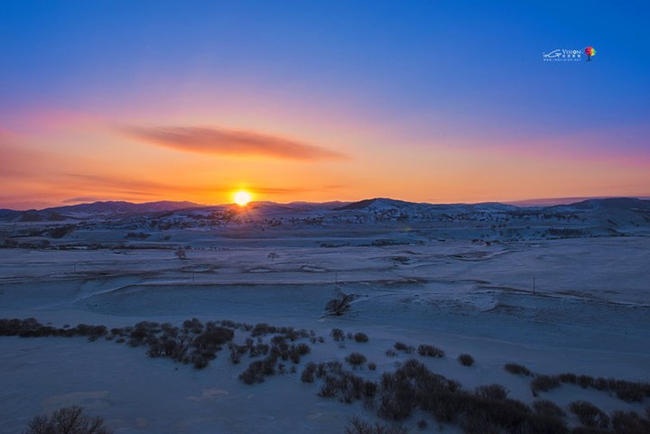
589	313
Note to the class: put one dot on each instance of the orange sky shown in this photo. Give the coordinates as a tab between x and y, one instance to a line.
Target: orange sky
65	157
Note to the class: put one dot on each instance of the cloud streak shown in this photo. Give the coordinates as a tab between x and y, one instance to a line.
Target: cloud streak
221	141
140	187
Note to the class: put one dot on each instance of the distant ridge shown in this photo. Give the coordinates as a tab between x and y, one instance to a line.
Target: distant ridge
123	207
610	203
553	201
382	201
379	205
104	208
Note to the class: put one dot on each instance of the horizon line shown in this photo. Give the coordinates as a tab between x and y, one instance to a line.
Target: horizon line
549	201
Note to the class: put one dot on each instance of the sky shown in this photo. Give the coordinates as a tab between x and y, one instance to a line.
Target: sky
427	101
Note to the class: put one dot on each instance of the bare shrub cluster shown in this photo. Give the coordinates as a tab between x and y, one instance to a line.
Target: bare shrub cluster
356	359
361	337
544	383
630	422
414	387
31	328
589	415
193	342
430	351
70	420
466	360
628	391
517	369
345	385
279	351
401	346
340	305
338	335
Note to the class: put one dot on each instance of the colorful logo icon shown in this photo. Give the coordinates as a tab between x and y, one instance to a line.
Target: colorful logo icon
590	51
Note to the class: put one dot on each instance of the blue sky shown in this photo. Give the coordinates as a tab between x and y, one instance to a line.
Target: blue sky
361	77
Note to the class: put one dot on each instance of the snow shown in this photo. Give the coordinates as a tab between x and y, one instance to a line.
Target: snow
589	314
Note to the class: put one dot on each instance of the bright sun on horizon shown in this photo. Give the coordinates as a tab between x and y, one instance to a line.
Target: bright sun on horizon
242	197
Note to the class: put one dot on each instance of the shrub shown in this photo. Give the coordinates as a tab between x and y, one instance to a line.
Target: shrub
372	366
253	374
589	415
629	423
212	338
630	395
466	360
568	378
199	361
259	350
70	420
338	335
302	349
544	407
516	369
492	392
340	305
430	351
400	346
329	388
544	383
391	353
356	359
585	381
235	355
361	337
308	373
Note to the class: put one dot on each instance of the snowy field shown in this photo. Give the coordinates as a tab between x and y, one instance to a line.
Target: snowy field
588	314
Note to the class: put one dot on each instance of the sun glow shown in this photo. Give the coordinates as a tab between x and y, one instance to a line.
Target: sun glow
242	197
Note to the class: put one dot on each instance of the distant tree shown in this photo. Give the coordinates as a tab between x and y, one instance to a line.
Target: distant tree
273	256
181	253
70	420
338	306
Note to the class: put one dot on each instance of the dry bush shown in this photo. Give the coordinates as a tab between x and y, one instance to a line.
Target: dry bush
630	422
361	337
589	415
356	359
338	335
340	305
544	407
517	369
69	420
544	383
466	360
330	387
492	392
430	351
400	346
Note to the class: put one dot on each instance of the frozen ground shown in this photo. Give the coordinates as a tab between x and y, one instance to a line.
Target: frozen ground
589	314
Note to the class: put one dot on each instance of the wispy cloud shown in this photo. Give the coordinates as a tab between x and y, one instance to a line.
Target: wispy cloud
230	142
141	187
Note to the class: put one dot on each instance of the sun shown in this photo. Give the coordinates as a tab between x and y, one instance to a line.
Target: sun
242	197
